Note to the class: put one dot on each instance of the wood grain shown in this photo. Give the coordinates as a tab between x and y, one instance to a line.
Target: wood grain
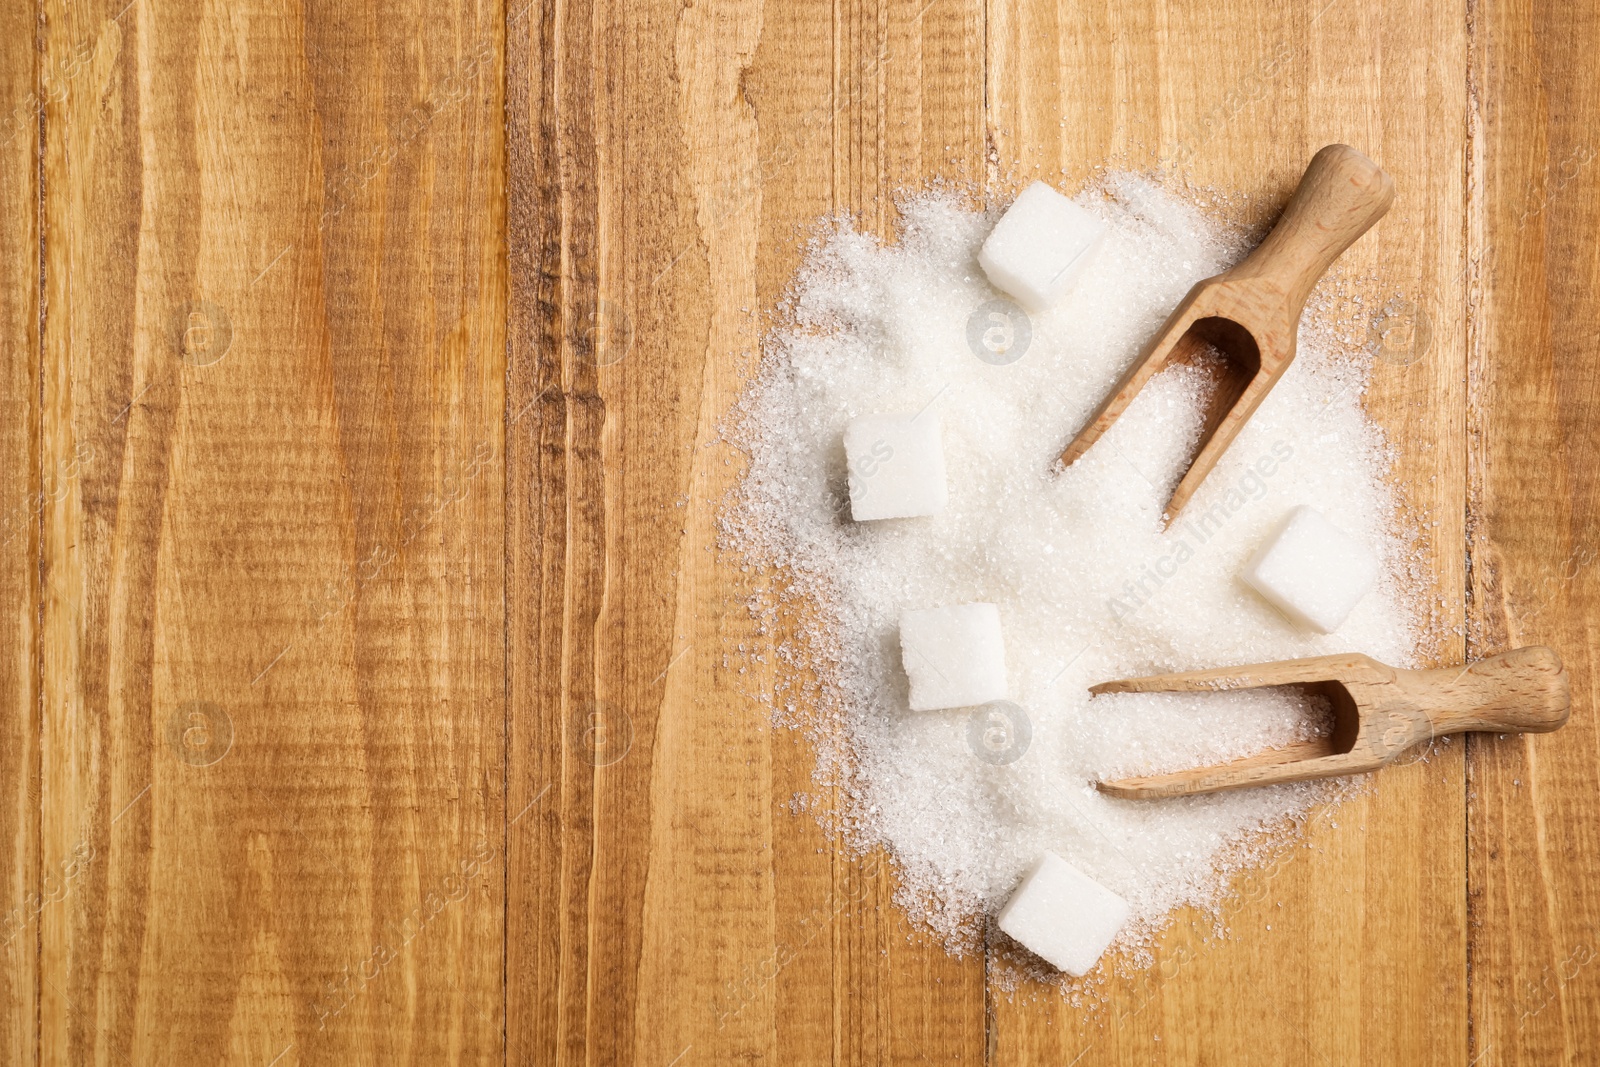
372	670
1534	366
273	649
25	486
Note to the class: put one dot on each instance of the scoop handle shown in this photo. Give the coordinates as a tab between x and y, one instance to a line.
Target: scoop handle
1520	691
1340	196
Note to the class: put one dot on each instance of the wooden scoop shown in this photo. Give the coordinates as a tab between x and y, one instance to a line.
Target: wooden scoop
1379	712
1250	313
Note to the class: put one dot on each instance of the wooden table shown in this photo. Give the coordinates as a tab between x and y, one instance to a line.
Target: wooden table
364	639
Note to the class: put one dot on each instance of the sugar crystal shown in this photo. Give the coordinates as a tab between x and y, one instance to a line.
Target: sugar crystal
1089	582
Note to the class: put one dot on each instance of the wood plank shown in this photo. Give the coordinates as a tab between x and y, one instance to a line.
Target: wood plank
27	889
273	676
1360	945
904	96
1534	878
665	905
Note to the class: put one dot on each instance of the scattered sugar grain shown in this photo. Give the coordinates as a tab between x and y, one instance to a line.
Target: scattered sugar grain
1090	585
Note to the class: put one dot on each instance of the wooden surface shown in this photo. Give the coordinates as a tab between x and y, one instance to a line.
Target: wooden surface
272	649
24	486
365	644
1534	490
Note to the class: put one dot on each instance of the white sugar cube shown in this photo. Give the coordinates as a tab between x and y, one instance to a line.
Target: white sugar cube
1312	571
1039	246
896	466
1063	916
953	656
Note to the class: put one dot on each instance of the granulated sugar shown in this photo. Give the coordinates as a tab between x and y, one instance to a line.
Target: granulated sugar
1088	584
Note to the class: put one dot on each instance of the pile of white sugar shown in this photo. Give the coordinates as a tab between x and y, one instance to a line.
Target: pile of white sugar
1089	585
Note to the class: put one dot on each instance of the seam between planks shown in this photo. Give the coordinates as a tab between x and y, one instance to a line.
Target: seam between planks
991	1034
1471	224
507	529
35	770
